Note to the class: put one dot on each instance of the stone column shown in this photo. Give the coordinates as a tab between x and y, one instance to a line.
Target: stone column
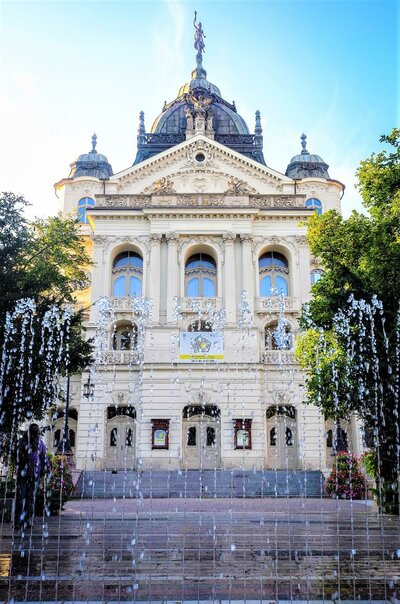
153	274
173	274
229	278
248	268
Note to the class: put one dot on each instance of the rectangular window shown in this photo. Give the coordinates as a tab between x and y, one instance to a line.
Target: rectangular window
160	433
242	433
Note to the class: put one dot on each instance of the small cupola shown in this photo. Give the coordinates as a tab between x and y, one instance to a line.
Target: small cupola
91	164
306	164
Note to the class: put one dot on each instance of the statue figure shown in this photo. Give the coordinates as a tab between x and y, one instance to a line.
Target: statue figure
199	35
189	118
210	119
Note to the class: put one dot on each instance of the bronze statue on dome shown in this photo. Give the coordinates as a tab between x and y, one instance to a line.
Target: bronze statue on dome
199	35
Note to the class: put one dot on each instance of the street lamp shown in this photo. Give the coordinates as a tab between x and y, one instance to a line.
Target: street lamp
64	446
88	388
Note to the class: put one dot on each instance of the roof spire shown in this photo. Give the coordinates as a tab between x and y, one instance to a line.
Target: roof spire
141	129
303	138
258	137
199	46
94	143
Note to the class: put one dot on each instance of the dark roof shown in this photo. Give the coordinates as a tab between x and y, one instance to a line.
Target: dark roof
306	164
229	128
91	164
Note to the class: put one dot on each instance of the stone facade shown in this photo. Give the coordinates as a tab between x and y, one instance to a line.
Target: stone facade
202	215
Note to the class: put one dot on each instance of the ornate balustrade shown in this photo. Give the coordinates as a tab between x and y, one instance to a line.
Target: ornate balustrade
276	304
191	200
194	305
120	357
278	357
122	304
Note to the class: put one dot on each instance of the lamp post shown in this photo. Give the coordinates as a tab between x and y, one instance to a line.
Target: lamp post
88	388
64	446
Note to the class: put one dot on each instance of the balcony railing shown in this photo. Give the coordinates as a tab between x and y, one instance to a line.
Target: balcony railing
278	357
276	304
195	305
120	357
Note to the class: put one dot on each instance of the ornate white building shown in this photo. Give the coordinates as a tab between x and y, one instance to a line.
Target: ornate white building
195	221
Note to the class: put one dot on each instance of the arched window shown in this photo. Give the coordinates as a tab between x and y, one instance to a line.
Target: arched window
278	335
201	276
83	205
113	437
200	325
273	269
272	437
314	204
125	337
127	274
316	275
191	436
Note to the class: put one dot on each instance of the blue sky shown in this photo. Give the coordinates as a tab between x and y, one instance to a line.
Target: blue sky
328	68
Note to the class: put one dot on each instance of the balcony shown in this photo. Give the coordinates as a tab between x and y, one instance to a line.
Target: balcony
278	357
276	304
196	305
123	304
120	357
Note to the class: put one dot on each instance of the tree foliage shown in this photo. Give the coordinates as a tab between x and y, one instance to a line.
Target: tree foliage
44	261
350	341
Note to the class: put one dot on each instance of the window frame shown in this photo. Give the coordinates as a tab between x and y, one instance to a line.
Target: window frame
273	271
84	207
202	274
127	272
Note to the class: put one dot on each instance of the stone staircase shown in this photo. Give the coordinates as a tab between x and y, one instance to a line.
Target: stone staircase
107	484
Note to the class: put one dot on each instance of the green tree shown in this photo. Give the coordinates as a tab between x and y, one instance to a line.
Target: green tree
44	261
350	349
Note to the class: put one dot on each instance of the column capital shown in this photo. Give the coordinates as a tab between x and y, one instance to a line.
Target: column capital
172	237
155	238
229	238
246	237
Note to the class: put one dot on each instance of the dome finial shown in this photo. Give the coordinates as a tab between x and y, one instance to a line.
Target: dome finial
94	143
304	142
199	46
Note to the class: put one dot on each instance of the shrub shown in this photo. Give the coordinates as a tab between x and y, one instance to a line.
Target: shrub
59	485
346	481
369	462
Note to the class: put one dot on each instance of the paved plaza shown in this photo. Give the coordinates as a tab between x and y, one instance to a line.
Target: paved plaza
204	549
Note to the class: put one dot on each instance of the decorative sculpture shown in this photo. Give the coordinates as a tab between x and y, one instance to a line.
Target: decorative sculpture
199	36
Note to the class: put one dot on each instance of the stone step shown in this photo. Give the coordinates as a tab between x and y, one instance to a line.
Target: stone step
207	483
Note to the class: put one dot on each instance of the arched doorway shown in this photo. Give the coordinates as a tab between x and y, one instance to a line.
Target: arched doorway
201	437
57	429
281	437
120	438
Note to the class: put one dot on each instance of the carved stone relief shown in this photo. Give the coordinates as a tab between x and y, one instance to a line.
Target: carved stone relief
162	186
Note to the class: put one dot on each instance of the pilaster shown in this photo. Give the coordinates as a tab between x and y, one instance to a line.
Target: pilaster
154	274
248	267
229	277
173	273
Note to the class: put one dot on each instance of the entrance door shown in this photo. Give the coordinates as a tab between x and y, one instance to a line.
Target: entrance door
120	443
281	438
201	442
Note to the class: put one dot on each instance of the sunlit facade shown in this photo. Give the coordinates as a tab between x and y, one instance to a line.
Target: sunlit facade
197	220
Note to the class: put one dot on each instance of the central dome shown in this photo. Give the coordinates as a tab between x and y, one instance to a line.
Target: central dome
199	109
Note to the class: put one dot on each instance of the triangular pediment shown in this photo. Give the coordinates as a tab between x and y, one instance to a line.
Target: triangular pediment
200	165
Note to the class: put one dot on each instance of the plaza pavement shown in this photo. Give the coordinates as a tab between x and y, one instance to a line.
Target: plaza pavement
196	550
